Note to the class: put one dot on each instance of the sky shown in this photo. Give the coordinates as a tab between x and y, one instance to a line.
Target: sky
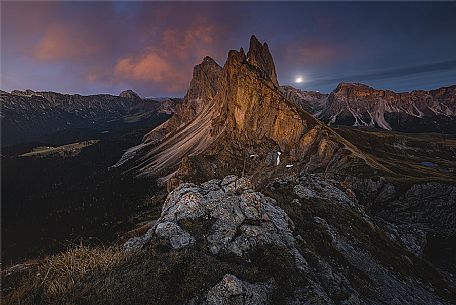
152	47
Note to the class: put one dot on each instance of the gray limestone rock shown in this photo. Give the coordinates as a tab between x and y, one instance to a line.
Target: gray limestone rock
177	237
232	291
243	219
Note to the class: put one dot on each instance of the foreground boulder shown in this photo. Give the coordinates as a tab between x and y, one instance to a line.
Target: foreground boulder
232	291
241	218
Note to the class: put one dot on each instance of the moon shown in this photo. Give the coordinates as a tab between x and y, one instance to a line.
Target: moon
299	79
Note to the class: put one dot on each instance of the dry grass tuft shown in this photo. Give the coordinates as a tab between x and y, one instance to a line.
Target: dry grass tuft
57	279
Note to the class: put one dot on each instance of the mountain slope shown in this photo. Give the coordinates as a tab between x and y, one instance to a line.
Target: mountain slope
361	105
304	240
29	115
238	112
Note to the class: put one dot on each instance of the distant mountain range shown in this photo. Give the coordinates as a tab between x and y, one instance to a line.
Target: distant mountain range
360	105
28	115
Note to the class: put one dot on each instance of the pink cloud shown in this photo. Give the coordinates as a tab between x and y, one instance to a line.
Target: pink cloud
170	62
149	66
153	50
60	42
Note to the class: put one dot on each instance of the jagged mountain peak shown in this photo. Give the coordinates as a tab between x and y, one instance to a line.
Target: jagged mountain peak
359	90
202	90
207	60
231	112
260	56
205	80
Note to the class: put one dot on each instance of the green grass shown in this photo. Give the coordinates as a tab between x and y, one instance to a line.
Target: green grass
64	150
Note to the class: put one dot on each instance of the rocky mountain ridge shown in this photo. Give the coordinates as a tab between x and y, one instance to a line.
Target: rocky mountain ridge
239	105
360	105
28	115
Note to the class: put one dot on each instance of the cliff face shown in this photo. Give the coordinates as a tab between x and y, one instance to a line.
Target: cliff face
203	88
260	57
370	107
361	105
238	112
254	109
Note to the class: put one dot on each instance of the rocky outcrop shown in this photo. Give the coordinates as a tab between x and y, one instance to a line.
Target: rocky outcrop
360	105
243	219
327	197
222	242
335	251
423	220
421	217
232	291
435	202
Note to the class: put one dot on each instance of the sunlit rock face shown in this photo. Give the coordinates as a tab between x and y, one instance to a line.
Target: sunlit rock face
260	57
237	112
360	105
188	132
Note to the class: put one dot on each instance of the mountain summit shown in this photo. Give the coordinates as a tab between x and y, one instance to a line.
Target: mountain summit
129	94
260	57
238	114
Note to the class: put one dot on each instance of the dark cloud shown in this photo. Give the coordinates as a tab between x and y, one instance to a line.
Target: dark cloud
151	47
